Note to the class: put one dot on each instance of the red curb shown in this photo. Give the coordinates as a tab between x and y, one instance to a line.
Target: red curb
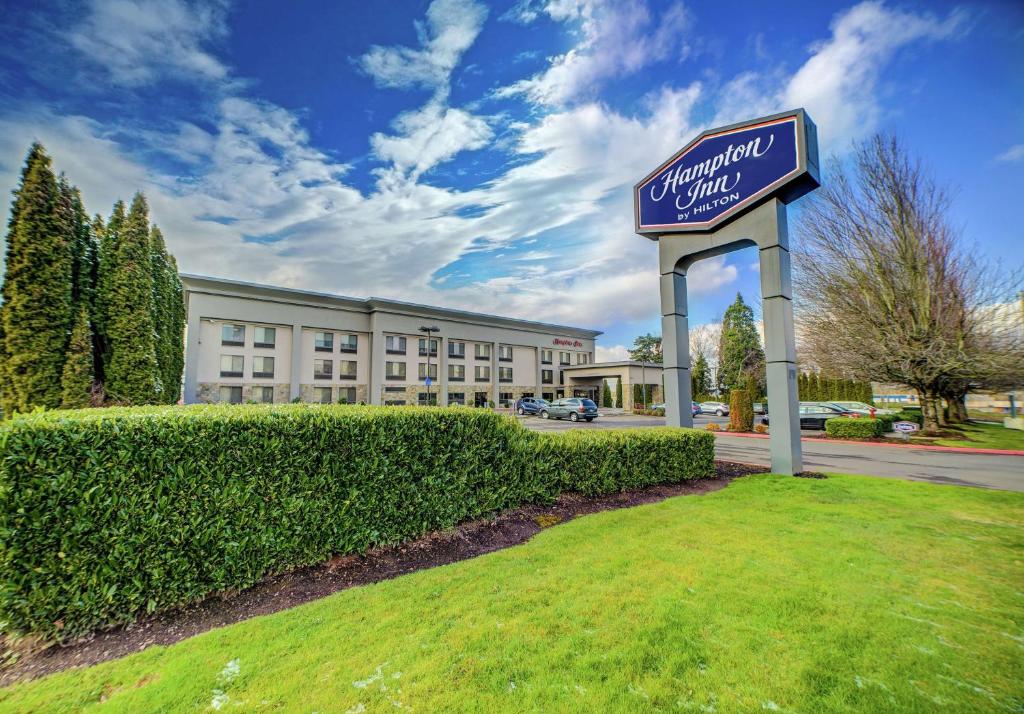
919	447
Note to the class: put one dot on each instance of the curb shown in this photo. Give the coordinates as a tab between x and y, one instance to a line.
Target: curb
919	447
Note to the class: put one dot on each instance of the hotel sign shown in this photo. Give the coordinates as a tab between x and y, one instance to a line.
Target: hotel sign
562	342
726	171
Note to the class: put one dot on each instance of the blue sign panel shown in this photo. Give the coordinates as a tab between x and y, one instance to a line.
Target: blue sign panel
720	174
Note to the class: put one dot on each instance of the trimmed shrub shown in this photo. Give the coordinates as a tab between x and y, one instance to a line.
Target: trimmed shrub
855	427
741	410
107	514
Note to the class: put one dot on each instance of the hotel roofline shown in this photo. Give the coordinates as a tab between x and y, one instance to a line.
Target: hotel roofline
274	293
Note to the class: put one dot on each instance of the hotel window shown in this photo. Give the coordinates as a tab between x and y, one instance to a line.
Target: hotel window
547	376
457	398
457	350
482	374
232	335
263	367
347	369
264	337
504	353
506	399
323	342
231	395
348	343
231	365
394	370
423	347
322	395
482	350
423	370
263	395
323	369
582	358
563	358
394	345
422	398
347	395
456	373
504	374
394	390
394	402
548	396
545	356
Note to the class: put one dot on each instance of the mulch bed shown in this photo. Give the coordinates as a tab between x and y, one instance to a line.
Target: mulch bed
280	592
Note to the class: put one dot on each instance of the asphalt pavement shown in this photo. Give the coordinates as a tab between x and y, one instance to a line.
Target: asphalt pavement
997	471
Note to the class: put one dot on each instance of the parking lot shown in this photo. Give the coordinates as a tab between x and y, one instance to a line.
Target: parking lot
613	421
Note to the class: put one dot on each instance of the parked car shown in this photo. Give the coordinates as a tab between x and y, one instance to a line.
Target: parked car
529	405
695	409
862	408
573	409
719	408
660	406
813	415
760	408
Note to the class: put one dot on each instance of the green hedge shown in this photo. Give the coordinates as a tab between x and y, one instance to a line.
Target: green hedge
855	427
106	514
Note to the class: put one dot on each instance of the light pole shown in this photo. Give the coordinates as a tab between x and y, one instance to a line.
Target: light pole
429	330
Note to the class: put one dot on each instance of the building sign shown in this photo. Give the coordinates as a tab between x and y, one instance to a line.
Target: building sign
566	343
905	427
725	171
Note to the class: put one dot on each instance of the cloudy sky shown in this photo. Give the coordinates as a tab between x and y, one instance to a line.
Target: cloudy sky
480	155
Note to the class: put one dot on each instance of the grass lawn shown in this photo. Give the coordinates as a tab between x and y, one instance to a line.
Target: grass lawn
774	593
986	436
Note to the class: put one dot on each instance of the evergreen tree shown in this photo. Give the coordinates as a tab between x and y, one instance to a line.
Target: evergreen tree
83	251
739	349
606	395
618	393
108	240
168	317
76	380
132	375
700	378
36	289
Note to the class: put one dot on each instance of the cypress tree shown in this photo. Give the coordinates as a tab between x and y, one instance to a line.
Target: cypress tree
606	395
132	375
169	317
740	350
108	239
37	289
76	380
618	393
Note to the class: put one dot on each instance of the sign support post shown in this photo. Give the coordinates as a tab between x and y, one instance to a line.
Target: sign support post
732	216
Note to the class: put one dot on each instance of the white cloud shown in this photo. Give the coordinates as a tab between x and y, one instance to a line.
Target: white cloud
450	29
618	38
139	41
429	136
838	84
616	353
1013	154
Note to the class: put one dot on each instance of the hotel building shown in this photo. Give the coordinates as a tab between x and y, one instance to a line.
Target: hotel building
248	342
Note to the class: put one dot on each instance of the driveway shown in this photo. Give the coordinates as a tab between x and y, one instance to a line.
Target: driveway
982	470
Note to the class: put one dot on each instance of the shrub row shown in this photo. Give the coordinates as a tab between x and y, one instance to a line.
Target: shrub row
106	514
857	427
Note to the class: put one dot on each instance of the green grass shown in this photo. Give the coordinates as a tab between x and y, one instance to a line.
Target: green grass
846	594
986	436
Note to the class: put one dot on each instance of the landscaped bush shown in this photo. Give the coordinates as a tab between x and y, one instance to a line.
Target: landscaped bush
855	427
741	410
106	514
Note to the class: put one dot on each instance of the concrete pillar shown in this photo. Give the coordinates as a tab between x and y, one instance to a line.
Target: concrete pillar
675	345
780	355
495	384
296	376
441	385
192	355
376	361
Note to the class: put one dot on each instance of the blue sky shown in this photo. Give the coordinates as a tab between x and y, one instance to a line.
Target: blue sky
480	155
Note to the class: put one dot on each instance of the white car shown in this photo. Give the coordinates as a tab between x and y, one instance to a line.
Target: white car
862	408
719	408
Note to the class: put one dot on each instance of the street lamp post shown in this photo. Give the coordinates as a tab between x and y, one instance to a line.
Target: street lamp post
430	331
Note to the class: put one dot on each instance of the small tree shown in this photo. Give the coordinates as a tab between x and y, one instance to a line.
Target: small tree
739	351
618	393
77	379
741	410
606	395
646	348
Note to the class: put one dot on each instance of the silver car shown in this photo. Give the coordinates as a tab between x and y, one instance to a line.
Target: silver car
719	408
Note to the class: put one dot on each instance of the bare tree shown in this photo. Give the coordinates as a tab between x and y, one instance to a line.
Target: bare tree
888	293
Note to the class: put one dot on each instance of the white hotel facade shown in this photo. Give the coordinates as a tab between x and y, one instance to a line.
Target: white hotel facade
248	342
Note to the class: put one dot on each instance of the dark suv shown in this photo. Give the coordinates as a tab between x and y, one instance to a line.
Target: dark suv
573	409
529	405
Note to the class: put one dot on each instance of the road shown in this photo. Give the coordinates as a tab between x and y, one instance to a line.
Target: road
982	470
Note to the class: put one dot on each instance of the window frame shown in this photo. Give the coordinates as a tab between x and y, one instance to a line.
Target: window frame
233	373
401	376
263	344
398	340
263	373
324	375
328	345
232	342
